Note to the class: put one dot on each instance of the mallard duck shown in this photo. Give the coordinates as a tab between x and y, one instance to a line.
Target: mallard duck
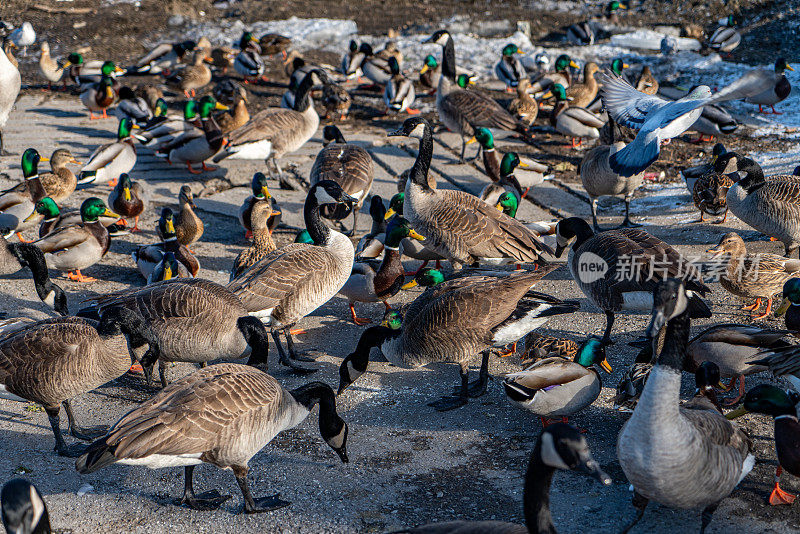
194	76
752	276
463	111
262	238
411	248
612	290
376	66
273	132
153	96
710	194
561	75
580	33
760	86
351	60
770	205
647	83
159	133
630	386
346	164
453	321
509	69
260	193
580	95
223	58
293	281
133	107
72	248
556	387
790	305
93	72
430	73
559	446
23	508
507	182
238	411
54	218
108	161
774	402
147	257
661	435
336	99
274	43
524	107
168	268
197	149
539	346
15	256
726	37
60	182
367	284
48	67
81	355
189	227
458	225
573	122
599	179
370	246
529	172
98	97
237	116
10	83
398	94
17	203
248	61
128	199
165	57
691	174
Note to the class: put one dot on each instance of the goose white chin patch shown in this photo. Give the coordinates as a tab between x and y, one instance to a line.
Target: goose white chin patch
265	316
418	131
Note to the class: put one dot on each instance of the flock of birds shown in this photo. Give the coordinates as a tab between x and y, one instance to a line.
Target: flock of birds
682	455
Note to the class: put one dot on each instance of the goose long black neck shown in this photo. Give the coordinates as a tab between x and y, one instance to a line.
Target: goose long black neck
676	342
32	257
449	60
419	172
536	499
581	229
320	234
301	97
120	320
755	175
256	337
315	393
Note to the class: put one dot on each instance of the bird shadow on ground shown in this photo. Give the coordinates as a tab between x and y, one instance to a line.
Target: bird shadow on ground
58	113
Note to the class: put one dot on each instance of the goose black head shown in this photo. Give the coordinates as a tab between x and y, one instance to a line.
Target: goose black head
412	127
330	192
23	508
562	446
670	299
440	37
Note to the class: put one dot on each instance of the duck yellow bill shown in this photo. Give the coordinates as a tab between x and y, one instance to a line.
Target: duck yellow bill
625	66
109	213
31	217
738	412
573	64
136	127
499	207
606	366
409	285
43	159
424	69
789	67
785	303
389	214
170	227
385	323
265	191
548	94
223	107
471	140
522	164
167	272
74	161
414	235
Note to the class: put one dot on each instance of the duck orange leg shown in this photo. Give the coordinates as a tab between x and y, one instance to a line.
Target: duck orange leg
78	277
753	307
766	312
136	225
358	320
738	397
297	331
22	239
92	117
105	116
211	168
191	170
778	496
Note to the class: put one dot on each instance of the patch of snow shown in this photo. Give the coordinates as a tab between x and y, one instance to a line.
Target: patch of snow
651	40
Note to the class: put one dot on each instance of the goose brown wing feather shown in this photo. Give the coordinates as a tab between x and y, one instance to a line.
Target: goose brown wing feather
348	165
478	110
266	124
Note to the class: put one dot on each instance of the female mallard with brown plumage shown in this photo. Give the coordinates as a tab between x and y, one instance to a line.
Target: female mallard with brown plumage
581	95
189	227
128	199
262	238
260	194
710	195
524	107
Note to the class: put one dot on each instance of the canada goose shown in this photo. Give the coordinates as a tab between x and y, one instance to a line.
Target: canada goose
348	165
238	410
573	122
10	83
147	257
49	67
108	161
273	132
51	361
260	194
72	248
599	179
293	281
195	320
758	276
453	321
615	290
128	199
189	227
15	202
770	205
578	382
367	284
132	106
665	450
248	61
463	111
15	256
456	224
398	94
559	446
164	57
23	508
726	37
509	69
262	239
